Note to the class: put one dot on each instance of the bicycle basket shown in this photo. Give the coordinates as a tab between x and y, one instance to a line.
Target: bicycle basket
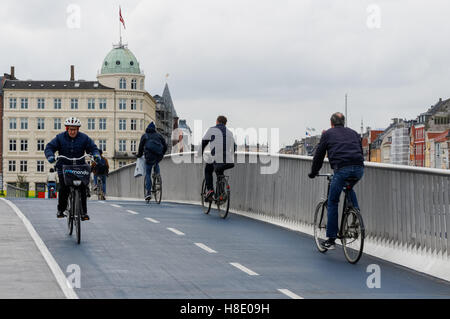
76	173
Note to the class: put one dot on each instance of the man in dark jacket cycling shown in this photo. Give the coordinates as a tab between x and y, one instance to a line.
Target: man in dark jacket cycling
153	146
345	154
72	144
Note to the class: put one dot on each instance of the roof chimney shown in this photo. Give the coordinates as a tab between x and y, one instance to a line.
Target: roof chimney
72	73
13	77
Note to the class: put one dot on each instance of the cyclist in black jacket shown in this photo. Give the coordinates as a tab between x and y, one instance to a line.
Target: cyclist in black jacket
345	154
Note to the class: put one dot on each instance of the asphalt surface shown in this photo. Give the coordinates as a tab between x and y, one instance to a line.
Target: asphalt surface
124	255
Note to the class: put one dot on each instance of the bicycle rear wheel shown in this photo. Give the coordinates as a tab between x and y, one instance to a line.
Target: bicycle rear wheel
205	204
77	217
157	184
223	198
320	225
70	215
353	234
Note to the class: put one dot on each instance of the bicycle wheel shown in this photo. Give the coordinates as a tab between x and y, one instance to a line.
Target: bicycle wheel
223	198
77	217
70	215
353	234
158	189
320	224
205	205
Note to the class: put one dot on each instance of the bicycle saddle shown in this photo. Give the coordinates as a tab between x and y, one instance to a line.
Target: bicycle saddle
350	182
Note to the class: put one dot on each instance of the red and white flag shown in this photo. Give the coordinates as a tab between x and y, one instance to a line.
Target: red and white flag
120	16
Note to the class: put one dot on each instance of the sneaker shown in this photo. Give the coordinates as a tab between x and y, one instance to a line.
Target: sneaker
60	214
329	244
85	217
148	196
209	195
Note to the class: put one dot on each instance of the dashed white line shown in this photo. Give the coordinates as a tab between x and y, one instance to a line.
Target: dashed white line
132	212
176	231
152	220
101	202
117	206
244	269
204	247
290	294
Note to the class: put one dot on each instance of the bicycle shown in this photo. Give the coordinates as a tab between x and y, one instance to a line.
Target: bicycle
352	230
156	188
74	176
221	198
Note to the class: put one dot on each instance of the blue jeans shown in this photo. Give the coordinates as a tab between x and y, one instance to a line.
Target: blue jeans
103	177
336	187
148	175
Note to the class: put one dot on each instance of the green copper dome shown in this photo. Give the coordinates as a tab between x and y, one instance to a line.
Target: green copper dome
120	60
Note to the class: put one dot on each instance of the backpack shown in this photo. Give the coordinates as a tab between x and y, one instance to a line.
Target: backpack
153	146
101	168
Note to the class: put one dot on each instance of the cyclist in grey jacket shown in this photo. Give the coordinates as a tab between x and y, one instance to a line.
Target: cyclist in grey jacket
222	145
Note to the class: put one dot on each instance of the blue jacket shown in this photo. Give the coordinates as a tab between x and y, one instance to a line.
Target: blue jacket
150	133
70	147
343	146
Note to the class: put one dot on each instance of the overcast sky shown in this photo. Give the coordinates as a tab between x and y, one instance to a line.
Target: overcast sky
274	64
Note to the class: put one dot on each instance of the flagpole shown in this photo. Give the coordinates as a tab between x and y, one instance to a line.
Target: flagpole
120	31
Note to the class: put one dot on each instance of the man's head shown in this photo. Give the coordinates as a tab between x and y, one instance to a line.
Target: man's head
72	126
337	119
221	120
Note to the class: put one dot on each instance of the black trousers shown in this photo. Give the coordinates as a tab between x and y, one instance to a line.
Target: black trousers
219	168
64	192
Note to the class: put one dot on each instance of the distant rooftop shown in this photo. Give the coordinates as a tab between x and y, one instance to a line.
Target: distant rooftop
56	85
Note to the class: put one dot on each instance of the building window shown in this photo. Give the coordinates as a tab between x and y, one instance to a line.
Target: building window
57	104
141	125
12	166
24	104
24	123
122	145
23	166
40	145
41	124
142	102
133	146
41	104
133	105
142	84
122	164
102	145
133	84
24	145
122	104
91	104
122	83
13	103
133	125
102	124
91	124
12	145
102	104
74	104
122	125
57	124
13	123
40	167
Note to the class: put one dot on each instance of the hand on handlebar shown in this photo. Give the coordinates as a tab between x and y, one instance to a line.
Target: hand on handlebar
51	159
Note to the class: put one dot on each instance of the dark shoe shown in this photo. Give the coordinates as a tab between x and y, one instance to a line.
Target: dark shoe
88	192
209	196
85	217
148	195
60	214
329	244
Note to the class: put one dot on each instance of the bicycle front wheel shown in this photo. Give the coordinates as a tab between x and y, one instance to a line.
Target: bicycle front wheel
205	204
77	217
353	234
158	189
70	215
320	225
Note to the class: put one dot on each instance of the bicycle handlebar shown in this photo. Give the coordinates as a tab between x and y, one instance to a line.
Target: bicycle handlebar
72	159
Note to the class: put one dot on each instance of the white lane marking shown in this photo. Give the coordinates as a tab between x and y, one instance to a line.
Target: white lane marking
152	220
51	262
290	294
176	231
117	206
101	202
204	247
244	269
132	212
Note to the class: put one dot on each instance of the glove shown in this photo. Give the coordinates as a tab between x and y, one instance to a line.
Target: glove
97	158
51	159
311	175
